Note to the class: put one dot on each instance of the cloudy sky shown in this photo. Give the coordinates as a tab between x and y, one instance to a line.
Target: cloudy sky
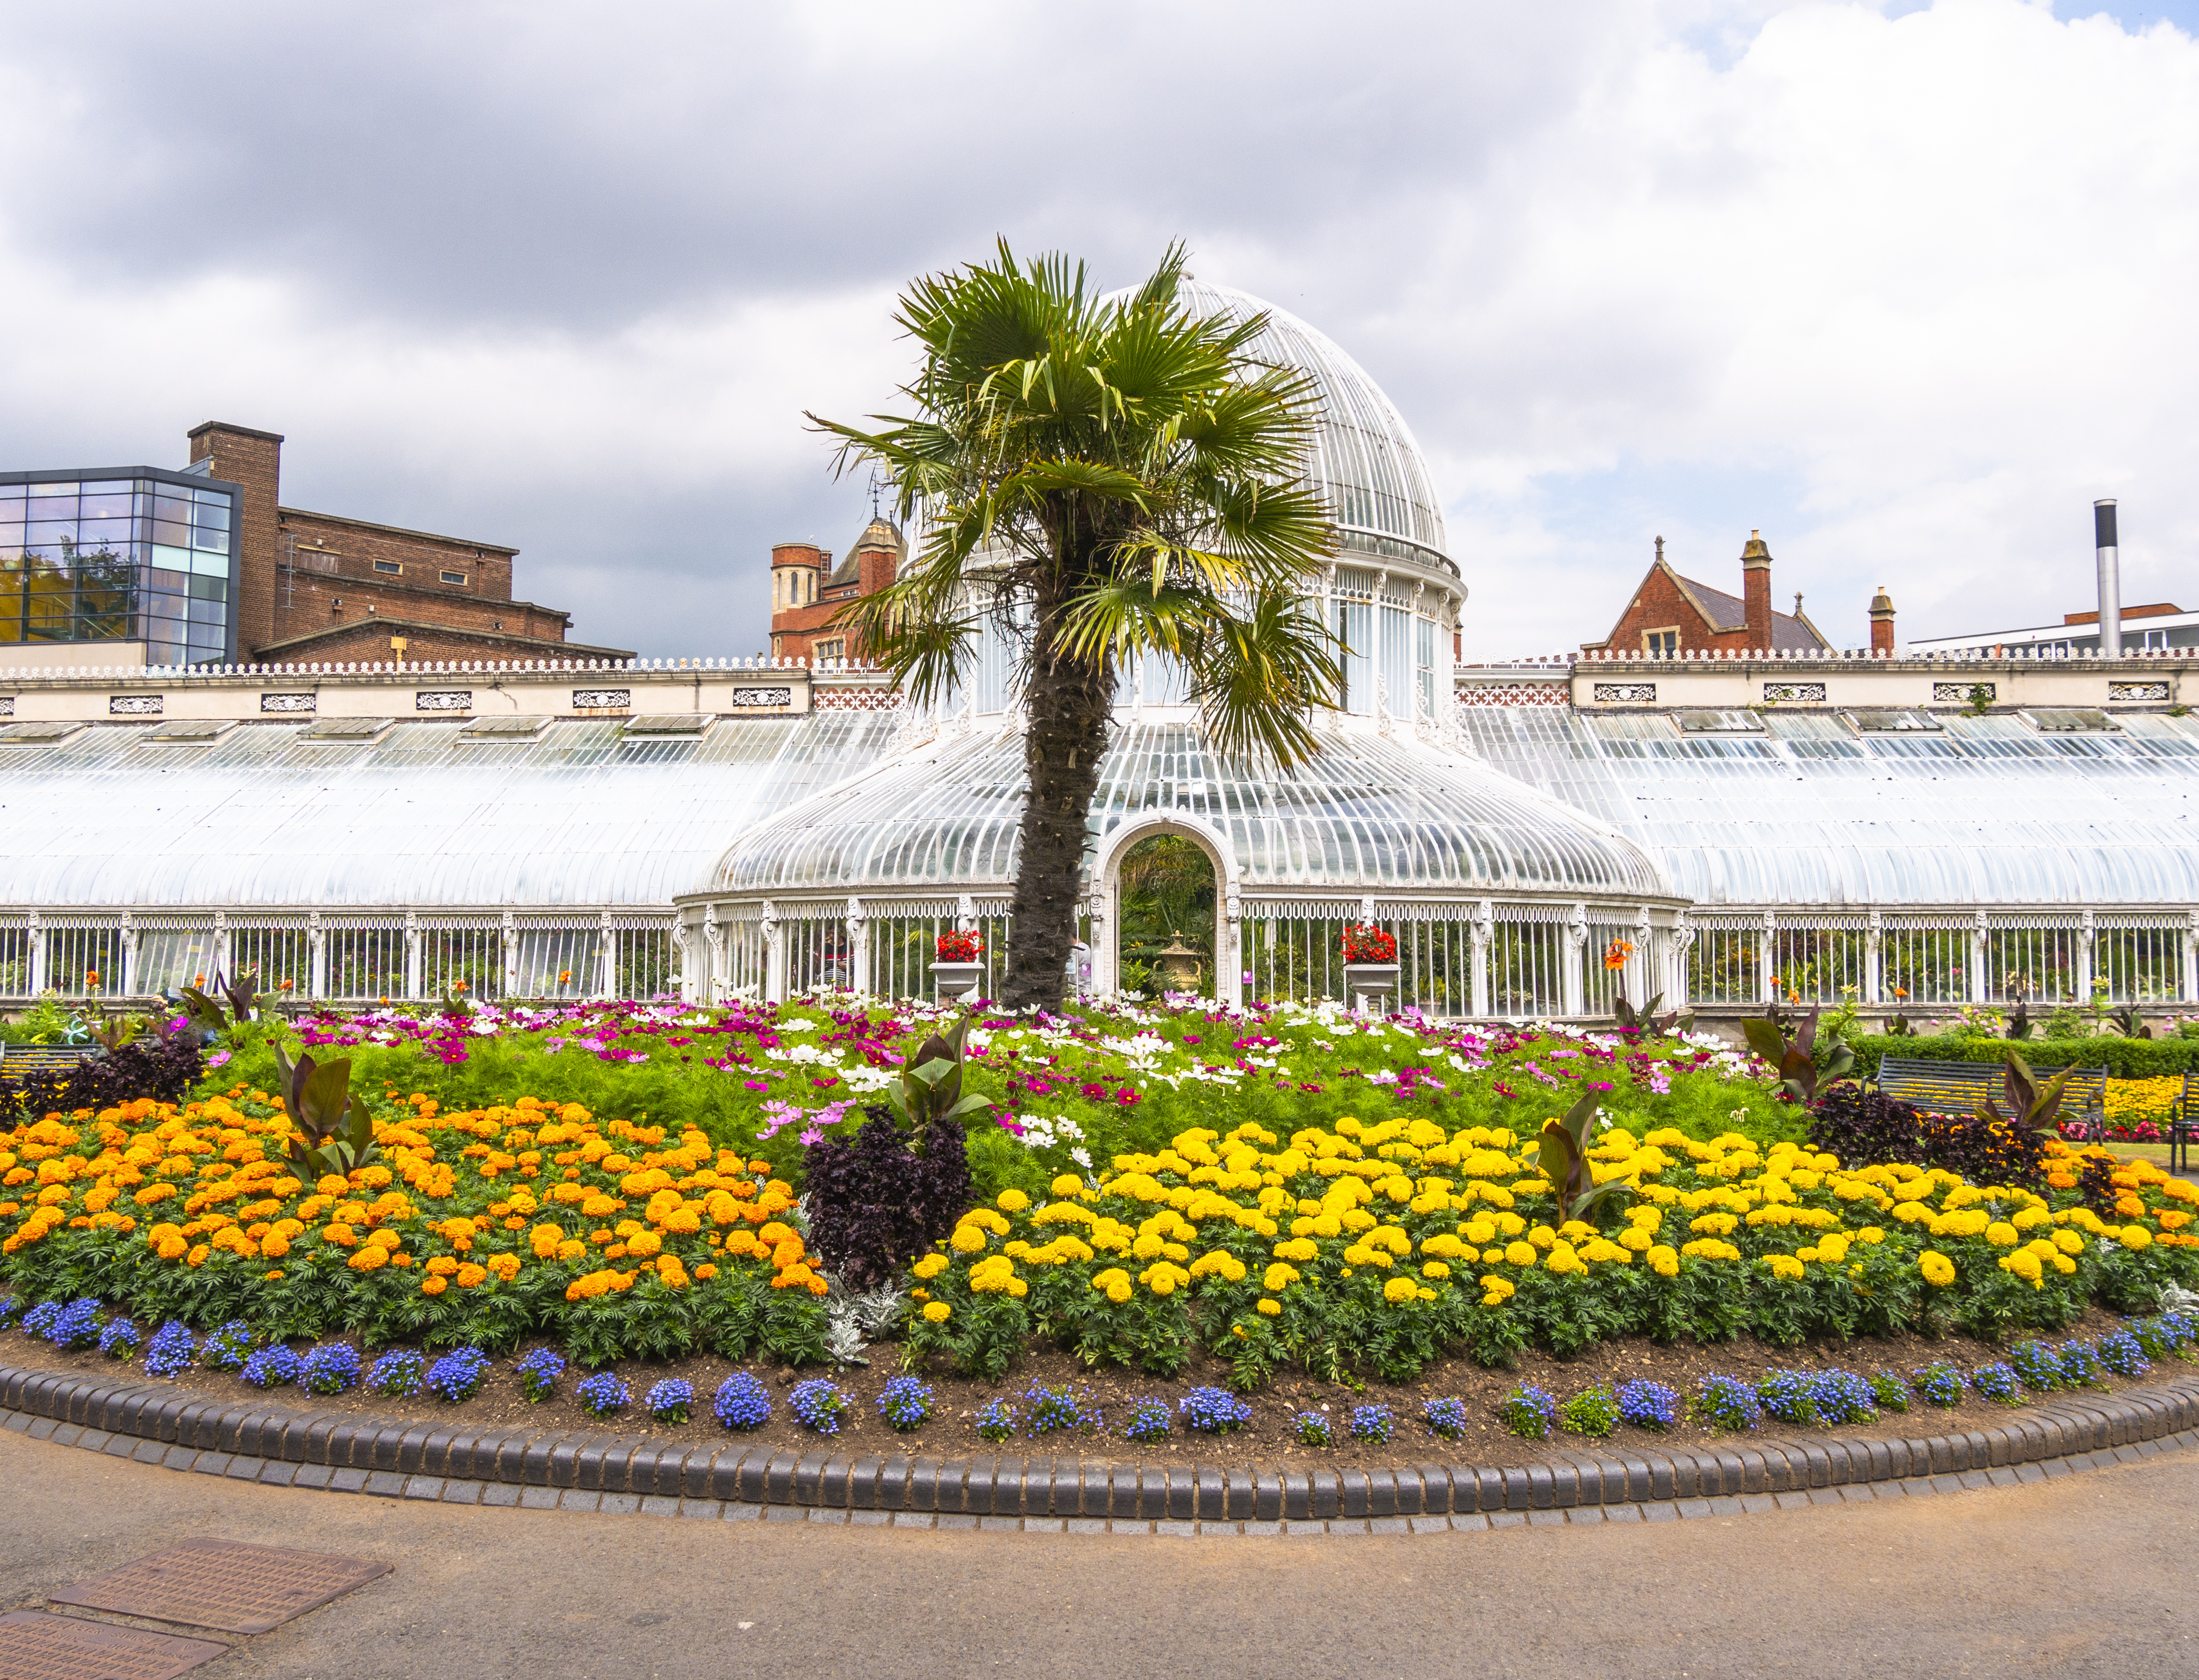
1905	287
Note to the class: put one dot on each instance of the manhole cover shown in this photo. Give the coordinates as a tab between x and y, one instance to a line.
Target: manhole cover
34	1646
222	1584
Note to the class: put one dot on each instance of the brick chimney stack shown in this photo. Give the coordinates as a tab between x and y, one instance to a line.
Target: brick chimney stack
253	459
1756	591
1881	622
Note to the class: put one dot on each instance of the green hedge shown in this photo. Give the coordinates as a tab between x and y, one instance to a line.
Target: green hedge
2123	1058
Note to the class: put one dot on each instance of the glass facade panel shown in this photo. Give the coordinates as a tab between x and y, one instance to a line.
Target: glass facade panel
1397	660
1355	628
102	561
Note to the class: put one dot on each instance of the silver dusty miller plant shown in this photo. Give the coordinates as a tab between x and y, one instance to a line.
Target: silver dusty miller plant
851	1322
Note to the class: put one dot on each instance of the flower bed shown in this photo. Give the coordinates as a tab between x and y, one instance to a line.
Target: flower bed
1360	1245
1068	1092
476	1227
1386	1245
1614	1394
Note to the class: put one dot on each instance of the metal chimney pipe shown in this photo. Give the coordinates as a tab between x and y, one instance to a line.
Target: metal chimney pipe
2111	589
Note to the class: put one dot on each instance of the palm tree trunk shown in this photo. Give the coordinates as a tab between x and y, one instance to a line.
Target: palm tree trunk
1070	702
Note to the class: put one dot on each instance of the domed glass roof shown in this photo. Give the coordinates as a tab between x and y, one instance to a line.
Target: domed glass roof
1364	454
1367	814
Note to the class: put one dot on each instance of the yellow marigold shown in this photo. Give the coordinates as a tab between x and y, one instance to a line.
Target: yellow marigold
1521	1254
1497	1290
2001	1234
1219	1262
1299	1249
2136	1237
1164	1277
642	1244
2024	1264
1434	1268
1664	1260
930	1266
1400	1289
1267	1306
1069	1184
937	1312
1785	1265
1939	1270
967	1239
1013	1200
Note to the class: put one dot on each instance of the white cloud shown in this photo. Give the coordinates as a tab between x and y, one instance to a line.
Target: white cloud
1905	291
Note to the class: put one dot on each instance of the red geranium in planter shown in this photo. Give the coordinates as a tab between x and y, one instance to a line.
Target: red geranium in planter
1368	944
959	946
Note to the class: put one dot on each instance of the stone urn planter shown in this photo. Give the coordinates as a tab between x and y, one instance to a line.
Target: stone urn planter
956	979
1364	982
1178	966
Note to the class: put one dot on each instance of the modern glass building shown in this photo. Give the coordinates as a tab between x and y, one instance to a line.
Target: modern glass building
136	555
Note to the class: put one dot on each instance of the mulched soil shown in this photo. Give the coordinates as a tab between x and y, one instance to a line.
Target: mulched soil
1268	1440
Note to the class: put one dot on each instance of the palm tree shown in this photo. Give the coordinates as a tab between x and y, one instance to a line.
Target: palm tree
1101	477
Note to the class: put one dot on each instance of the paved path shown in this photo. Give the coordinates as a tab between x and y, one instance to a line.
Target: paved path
2083	1575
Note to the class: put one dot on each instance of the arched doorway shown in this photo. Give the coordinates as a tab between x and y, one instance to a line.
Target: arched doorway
1166	923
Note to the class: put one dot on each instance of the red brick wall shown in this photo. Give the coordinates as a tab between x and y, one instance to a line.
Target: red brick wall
1658	604
354	545
367	639
1756	604
334	582
285	614
876	566
795	630
253	460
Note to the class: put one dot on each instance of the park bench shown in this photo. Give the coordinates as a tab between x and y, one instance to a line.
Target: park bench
1958	1087
18	1060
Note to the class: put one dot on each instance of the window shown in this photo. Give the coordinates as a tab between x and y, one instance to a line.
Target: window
391	567
454	577
832	650
1660	641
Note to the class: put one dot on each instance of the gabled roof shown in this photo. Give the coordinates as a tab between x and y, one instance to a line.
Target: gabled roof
1724	613
878	533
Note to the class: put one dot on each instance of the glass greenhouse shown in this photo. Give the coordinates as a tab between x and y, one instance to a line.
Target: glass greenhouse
360	834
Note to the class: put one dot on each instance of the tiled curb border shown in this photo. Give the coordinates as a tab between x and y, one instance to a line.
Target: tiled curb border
157	1424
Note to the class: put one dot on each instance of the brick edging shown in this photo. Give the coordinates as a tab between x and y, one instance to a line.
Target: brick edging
988	1486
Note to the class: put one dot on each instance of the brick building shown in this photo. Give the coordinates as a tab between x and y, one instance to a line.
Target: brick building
807	591
1670	614
317	587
